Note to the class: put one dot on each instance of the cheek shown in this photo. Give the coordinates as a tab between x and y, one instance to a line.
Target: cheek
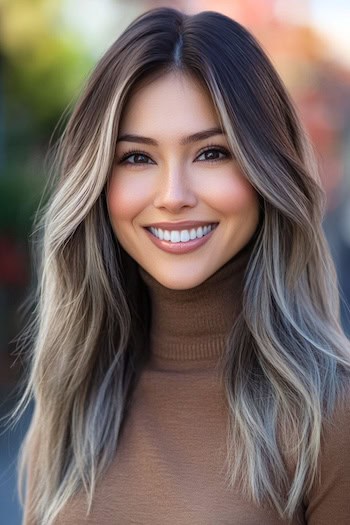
234	195
126	198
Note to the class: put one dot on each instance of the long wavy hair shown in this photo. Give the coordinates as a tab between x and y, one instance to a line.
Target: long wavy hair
287	360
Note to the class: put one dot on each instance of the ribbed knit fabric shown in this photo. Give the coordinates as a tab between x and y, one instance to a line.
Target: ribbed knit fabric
169	468
192	325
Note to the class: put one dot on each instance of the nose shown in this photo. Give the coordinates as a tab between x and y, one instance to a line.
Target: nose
174	190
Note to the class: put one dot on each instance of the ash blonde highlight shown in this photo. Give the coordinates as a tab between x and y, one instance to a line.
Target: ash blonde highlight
287	361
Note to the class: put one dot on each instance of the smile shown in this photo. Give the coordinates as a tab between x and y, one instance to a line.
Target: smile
176	236
180	242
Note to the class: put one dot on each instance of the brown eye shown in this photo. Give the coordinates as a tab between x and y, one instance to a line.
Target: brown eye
138	156
213	154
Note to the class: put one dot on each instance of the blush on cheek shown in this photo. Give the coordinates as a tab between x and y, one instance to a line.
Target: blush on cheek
235	196
125	198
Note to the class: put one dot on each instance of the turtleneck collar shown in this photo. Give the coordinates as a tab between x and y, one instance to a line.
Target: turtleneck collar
193	324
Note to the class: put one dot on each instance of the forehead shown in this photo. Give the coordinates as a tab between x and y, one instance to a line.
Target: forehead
171	102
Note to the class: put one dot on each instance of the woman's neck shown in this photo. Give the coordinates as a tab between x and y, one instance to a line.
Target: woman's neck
193	324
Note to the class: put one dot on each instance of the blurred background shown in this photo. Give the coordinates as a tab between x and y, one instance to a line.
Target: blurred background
48	48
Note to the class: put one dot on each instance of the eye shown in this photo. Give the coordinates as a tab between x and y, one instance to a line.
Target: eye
139	158
212	154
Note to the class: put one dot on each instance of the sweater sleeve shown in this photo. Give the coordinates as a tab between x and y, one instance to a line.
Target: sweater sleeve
329	500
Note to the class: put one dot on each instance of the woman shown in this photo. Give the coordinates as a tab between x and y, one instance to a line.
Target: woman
188	365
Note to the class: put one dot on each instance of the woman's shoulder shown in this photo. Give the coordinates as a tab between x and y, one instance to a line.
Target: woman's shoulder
338	420
328	501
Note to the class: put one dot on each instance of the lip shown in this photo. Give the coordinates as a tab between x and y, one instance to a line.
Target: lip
180	247
180	225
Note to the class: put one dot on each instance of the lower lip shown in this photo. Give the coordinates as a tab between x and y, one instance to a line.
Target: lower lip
179	247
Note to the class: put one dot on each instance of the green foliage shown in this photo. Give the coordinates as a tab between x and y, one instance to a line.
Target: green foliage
46	82
20	194
42	67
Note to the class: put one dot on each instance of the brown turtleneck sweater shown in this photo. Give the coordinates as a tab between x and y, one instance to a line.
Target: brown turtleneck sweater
169	466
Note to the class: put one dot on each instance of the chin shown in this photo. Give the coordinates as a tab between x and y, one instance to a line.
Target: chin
180	283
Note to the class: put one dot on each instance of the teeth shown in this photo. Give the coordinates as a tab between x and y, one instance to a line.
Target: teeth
174	236
183	235
200	232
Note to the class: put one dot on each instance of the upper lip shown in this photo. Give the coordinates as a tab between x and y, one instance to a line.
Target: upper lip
181	225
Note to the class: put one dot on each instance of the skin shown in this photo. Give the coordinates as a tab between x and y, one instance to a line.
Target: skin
174	182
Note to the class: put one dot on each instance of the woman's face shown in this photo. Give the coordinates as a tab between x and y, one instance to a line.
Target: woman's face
171	179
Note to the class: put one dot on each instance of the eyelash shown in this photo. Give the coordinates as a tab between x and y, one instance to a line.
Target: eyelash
132	152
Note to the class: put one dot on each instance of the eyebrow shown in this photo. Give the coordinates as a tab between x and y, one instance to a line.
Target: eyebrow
196	137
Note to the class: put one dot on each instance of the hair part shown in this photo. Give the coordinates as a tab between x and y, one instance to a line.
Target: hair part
287	359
